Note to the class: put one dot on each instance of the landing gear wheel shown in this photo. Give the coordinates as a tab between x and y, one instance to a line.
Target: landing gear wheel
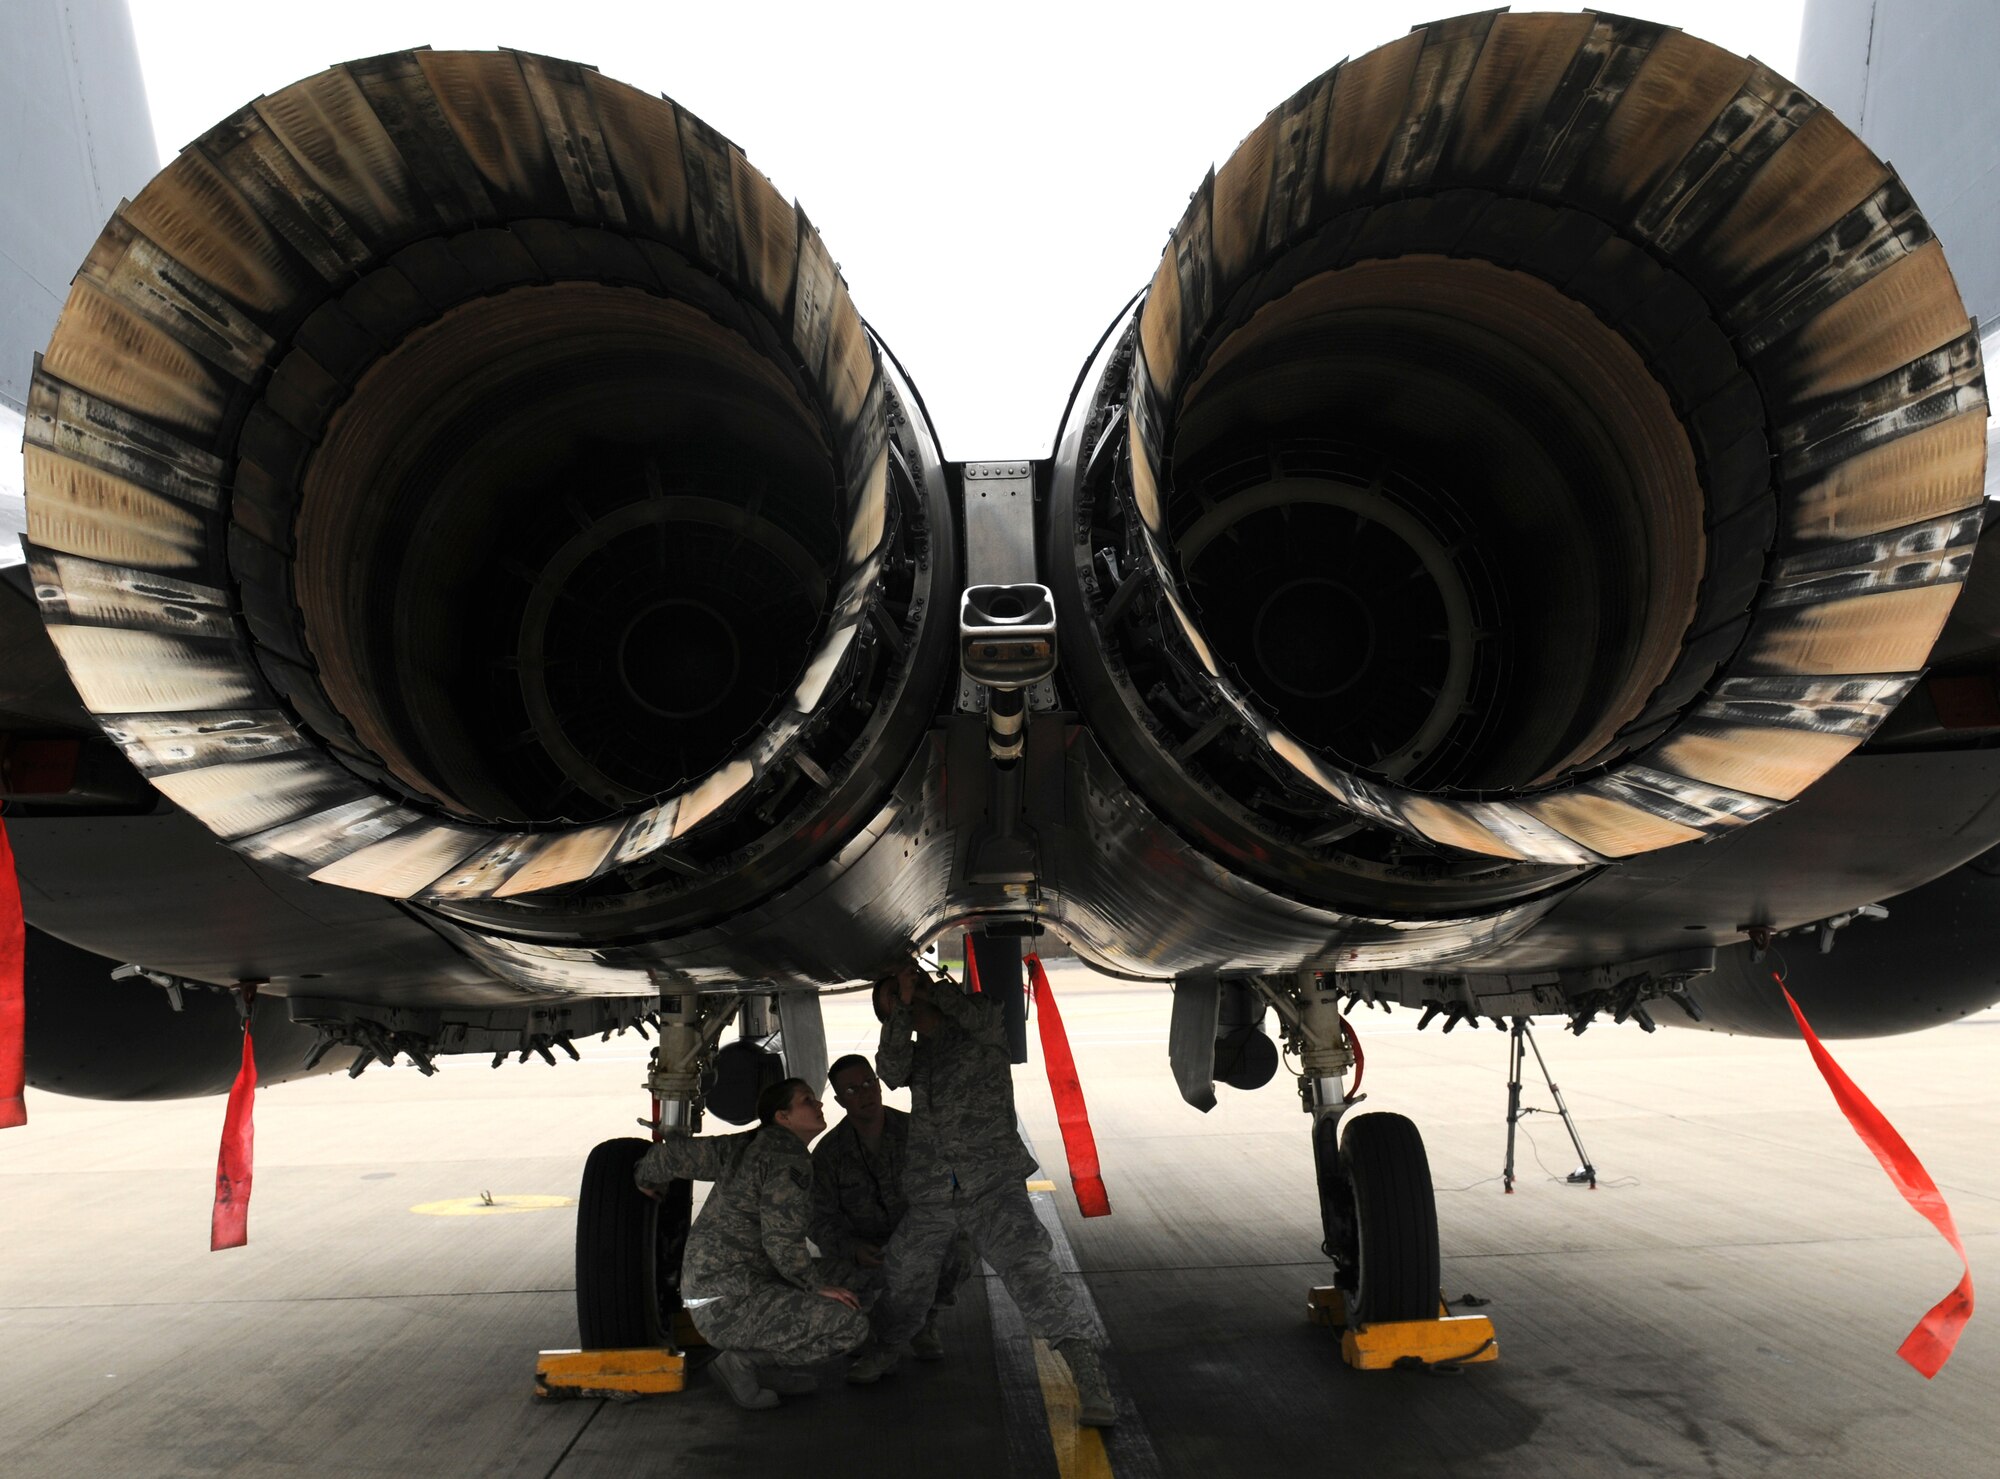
628	1252
1389	1261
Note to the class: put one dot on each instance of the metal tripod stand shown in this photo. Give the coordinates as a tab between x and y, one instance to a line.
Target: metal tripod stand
1585	1174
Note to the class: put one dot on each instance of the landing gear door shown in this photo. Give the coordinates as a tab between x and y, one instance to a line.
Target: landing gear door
802	1036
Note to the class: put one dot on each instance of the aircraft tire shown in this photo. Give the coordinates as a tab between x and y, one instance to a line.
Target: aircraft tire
628	1249
1396	1273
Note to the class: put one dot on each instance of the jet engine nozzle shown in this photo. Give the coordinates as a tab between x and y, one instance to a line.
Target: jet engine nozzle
1549	438
460	476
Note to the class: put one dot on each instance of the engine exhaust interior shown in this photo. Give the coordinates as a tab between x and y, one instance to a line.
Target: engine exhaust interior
1440	521
598	525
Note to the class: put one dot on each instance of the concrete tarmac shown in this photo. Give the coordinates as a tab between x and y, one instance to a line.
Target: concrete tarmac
1727	1302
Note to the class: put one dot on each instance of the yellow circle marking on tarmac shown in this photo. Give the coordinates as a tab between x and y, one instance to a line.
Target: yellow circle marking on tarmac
490	1206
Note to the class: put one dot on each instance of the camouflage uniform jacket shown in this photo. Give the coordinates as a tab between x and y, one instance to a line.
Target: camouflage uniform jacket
962	1129
752	1229
858	1191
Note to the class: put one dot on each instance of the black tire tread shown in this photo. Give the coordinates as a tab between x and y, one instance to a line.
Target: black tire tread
616	1227
1395	1213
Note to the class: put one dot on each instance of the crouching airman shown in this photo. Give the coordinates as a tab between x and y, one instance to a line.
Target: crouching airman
748	1279
858	1197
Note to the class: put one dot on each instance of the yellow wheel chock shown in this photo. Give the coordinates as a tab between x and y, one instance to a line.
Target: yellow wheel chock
1448	1340
619	1375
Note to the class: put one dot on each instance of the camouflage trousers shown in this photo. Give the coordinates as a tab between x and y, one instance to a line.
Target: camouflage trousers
784	1324
1002	1228
960	1263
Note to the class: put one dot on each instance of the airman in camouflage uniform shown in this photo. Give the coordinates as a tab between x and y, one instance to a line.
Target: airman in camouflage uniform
858	1197
747	1278
966	1172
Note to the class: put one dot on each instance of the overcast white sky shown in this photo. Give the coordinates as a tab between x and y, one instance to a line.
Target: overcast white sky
995	180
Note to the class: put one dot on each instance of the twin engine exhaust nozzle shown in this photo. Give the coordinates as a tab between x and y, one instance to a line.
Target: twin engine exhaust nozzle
1507	471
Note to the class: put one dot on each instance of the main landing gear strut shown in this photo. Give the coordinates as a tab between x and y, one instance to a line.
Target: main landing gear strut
1376	1206
1378	1211
628	1246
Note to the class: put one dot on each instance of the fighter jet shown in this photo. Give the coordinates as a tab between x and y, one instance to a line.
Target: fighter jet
486	585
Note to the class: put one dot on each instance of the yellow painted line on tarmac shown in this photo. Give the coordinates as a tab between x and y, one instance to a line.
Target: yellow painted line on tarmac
485	1205
1080	1451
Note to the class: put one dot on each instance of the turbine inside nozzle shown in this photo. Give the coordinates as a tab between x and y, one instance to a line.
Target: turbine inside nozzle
1438	519
594	556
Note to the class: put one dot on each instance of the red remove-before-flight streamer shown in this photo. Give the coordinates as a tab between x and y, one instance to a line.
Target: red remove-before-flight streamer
229	1223
13	1006
1067	1090
1930	1345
